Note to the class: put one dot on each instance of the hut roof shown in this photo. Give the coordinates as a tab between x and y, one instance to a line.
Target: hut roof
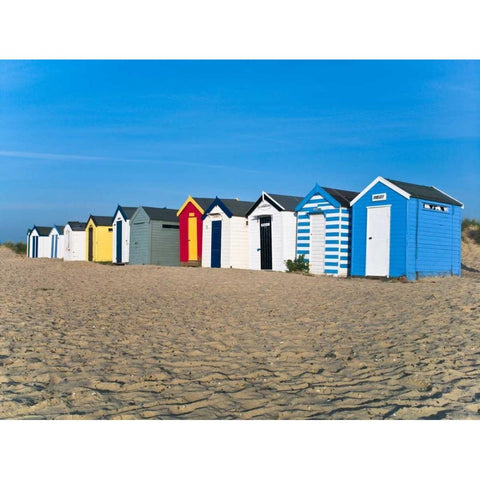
165	214
101	220
77	226
344	197
42	231
426	193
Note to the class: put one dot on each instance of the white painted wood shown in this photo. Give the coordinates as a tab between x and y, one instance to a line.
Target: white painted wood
317	244
378	241
60	242
234	253
283	236
74	244
125	238
43	244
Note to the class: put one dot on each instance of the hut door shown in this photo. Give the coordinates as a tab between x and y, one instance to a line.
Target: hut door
119	242
90	244
35	247
317	243
216	243
378	242
266	243
192	238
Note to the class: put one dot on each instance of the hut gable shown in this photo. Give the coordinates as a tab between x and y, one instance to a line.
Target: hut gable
323	230
404	229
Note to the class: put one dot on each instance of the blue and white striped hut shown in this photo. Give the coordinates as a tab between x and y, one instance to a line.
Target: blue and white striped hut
324	230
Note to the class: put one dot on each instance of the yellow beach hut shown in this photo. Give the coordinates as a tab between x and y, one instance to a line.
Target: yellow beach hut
99	238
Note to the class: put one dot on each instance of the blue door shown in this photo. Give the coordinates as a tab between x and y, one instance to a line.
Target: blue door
35	247
216	243
119	241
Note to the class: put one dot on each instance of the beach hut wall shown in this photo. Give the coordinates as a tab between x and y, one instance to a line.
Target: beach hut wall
74	241
98	238
40	242
191	229
154	237
56	241
324	230
121	234
405	230
271	231
225	234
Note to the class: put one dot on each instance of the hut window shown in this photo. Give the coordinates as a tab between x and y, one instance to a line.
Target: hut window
170	226
436	208
110	229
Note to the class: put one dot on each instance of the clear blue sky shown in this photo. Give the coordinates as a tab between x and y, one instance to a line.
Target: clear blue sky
80	137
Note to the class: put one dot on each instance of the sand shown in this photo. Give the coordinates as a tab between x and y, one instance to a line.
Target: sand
90	341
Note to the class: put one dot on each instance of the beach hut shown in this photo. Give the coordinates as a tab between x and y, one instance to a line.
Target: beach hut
121	234
154	237
40	242
191	229
272	227
29	231
323	230
56	241
74	241
98	241
402	229
225	234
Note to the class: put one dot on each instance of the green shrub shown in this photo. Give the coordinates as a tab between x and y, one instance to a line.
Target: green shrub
20	247
470	222
297	265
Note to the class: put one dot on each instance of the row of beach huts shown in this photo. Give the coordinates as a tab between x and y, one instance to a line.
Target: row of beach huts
389	229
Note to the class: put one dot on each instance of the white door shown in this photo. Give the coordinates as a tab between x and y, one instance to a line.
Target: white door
317	243
378	241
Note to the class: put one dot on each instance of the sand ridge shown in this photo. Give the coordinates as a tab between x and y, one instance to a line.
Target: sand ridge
80	340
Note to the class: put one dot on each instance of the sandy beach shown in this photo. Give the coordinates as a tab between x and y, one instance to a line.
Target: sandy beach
91	341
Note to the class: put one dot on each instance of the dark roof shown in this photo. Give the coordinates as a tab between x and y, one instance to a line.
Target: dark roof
77	226
165	214
101	220
43	231
286	201
238	208
128	211
59	228
204	202
344	197
425	193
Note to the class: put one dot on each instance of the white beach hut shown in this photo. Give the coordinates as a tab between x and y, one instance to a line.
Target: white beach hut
40	242
272	224
74	241
121	234
56	241
225	234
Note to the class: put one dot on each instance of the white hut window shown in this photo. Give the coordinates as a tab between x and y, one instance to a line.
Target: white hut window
435	208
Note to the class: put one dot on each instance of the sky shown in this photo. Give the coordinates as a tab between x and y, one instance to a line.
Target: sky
80	137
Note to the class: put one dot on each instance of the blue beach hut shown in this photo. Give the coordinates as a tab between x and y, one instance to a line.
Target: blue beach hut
403	229
323	230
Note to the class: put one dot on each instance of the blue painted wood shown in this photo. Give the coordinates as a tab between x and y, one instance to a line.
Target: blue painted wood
35	247
119	241
216	243
422	242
